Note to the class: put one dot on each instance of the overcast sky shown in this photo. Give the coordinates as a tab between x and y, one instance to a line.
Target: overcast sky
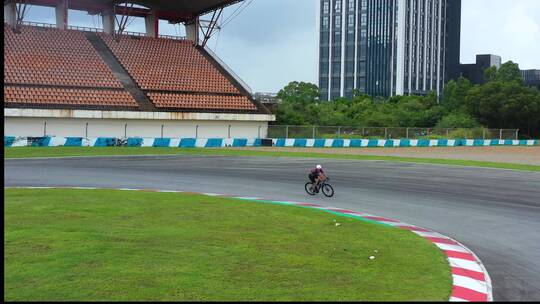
273	42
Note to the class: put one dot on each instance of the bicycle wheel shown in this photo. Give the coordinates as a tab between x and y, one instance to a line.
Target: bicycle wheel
328	190
308	189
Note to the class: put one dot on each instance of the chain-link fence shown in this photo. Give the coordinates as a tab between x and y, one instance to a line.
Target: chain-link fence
349	132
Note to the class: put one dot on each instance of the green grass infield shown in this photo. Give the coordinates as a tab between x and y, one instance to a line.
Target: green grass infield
108	245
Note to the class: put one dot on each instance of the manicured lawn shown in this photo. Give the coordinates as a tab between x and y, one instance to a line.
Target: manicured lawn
94	245
24	152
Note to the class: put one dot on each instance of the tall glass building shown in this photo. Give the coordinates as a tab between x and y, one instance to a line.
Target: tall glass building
388	47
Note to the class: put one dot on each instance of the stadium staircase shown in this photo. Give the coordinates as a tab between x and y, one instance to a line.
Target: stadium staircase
121	74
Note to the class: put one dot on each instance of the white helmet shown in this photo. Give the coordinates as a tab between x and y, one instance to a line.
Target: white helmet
319	167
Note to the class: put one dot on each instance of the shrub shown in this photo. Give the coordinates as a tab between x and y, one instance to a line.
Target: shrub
457	120
468	133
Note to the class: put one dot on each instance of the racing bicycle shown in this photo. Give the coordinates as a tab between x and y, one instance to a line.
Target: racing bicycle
326	188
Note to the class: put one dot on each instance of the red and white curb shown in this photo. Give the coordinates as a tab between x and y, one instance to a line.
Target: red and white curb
471	281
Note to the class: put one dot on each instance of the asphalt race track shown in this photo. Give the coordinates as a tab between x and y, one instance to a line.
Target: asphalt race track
496	213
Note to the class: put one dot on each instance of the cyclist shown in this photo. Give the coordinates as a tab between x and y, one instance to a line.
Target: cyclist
316	176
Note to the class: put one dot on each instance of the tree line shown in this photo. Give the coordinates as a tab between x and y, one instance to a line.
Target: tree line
503	102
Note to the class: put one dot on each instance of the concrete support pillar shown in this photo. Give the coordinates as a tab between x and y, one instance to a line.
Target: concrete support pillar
152	24
107	18
192	31
62	14
10	12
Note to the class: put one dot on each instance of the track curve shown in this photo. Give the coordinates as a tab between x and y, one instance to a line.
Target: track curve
496	213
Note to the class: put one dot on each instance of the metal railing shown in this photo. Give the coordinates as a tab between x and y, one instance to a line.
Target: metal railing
97	30
85	28
39	24
70	27
128	33
351	132
172	37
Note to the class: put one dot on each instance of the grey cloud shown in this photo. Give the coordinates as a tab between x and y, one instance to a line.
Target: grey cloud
267	21
273	42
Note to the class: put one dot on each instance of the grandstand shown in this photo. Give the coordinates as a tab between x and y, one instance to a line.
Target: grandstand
60	80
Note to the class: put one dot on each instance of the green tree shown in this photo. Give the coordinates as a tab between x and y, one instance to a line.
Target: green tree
287	115
296	106
299	92
503	102
455	93
509	71
490	74
508	105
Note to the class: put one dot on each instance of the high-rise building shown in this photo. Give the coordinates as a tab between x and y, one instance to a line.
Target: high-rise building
475	72
388	47
531	78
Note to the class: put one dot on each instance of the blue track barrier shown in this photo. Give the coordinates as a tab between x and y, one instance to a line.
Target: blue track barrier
41	142
338	143
302	143
240	142
10	141
162	142
214	143
134	142
257	142
188	143
105	142
73	142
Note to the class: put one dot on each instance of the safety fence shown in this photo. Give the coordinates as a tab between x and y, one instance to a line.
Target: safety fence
12	141
349	132
397	143
48	141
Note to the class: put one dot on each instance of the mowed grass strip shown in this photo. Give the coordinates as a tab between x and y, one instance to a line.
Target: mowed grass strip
33	152
83	245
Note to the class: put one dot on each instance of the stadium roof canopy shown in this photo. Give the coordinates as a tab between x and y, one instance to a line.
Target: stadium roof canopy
170	10
194	7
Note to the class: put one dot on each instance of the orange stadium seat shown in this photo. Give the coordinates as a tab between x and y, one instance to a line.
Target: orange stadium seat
193	101
167	64
48	67
47	56
63	96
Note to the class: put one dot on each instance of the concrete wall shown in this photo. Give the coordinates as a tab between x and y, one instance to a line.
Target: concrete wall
79	127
